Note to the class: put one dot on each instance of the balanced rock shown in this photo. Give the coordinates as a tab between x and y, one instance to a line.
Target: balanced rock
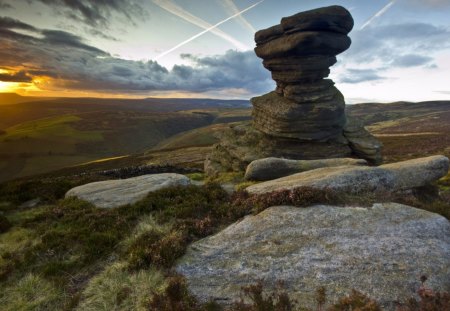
382	251
356	179
305	111
272	168
115	193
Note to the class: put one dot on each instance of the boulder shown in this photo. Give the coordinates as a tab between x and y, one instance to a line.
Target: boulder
381	251
350	179
272	168
115	193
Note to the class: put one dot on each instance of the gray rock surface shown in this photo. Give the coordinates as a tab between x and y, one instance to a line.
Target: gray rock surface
272	168
350	179
382	251
115	193
363	144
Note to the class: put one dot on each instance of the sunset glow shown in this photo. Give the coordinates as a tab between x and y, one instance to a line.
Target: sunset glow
102	51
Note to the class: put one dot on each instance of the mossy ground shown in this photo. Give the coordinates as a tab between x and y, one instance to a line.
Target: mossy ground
66	254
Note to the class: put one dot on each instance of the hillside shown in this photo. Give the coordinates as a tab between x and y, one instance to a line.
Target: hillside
40	135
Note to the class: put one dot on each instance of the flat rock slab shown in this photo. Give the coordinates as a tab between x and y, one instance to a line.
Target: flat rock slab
352	179
115	193
272	168
382	251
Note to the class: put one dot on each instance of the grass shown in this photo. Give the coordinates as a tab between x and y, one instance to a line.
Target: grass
118	259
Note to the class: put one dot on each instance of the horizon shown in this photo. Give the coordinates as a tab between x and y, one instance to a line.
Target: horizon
400	49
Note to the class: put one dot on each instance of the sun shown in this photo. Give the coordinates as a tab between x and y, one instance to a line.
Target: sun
8	87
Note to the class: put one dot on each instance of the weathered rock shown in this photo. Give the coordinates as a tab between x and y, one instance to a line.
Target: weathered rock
381	250
241	144
272	168
333	18
304	44
115	193
363	144
418	172
304	117
350	179
280	117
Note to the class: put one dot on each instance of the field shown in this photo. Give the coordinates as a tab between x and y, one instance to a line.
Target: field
48	134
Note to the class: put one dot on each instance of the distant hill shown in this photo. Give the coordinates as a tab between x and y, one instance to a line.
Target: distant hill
13	98
50	134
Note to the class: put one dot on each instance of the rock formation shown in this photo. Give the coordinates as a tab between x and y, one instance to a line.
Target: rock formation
380	250
304	118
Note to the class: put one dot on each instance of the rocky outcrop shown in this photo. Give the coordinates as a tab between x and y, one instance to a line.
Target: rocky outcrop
381	250
306	111
272	168
353	179
115	193
299	56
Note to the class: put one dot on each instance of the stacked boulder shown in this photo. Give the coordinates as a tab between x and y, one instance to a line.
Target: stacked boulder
299	52
304	118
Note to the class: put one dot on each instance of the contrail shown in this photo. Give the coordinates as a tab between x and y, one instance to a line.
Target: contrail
378	14
173	8
232	9
206	31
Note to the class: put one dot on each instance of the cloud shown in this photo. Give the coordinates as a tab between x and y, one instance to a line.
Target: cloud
378	14
97	12
355	76
176	10
5	6
233	9
63	38
10	23
76	65
411	60
20	76
431	3
385	43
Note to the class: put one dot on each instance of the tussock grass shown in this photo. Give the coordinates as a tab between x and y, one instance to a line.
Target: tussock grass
32	292
116	288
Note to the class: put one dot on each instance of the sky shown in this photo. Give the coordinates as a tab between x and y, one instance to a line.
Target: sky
204	48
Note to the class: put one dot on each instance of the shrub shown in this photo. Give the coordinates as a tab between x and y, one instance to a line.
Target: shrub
5	225
278	301
152	248
300	197
355	301
429	300
175	297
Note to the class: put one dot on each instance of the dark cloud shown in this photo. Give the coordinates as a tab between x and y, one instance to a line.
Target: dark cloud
20	76
97	12
77	65
10	23
58	37
411	60
360	75
5	6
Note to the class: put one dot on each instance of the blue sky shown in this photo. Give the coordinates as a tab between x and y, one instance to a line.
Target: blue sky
400	49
